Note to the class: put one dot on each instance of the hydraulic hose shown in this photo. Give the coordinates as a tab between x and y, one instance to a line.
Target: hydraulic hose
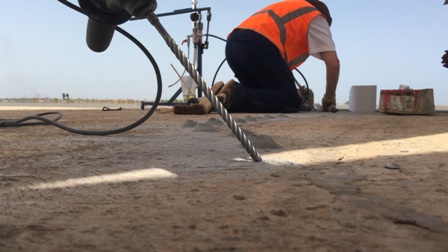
45	121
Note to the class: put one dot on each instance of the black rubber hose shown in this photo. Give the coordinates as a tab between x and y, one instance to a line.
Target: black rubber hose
46	121
24	121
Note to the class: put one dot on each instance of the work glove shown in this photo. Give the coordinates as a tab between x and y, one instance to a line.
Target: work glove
445	59
329	104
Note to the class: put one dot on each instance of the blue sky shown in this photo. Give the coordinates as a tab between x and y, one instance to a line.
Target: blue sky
385	43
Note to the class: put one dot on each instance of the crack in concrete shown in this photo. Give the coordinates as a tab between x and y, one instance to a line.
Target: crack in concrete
339	184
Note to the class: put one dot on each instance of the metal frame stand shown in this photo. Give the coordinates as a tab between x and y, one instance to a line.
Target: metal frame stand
199	45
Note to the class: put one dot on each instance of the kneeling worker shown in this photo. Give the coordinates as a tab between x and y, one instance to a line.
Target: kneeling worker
264	49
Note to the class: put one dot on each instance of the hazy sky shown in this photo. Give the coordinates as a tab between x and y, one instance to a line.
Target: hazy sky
385	43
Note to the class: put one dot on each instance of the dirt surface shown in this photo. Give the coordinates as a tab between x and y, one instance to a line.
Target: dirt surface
328	182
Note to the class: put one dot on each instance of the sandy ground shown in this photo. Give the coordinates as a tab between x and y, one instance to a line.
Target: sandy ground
328	182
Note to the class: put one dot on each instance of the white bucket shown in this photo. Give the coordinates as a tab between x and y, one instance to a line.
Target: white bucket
188	88
362	99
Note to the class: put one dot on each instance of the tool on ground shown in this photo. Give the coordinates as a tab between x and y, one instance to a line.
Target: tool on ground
189	109
307	97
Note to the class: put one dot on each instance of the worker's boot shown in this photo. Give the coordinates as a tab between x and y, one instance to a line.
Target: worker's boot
216	88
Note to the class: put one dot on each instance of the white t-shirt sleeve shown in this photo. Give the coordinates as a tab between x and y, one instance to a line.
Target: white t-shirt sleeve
319	37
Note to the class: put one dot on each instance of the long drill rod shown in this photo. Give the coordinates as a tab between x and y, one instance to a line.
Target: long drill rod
154	20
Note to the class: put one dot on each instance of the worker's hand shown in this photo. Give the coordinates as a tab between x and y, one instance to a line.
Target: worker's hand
445	59
329	104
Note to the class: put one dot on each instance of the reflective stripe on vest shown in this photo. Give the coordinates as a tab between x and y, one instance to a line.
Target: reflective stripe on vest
278	25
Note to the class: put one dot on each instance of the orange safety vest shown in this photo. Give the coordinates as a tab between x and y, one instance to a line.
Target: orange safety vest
286	25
